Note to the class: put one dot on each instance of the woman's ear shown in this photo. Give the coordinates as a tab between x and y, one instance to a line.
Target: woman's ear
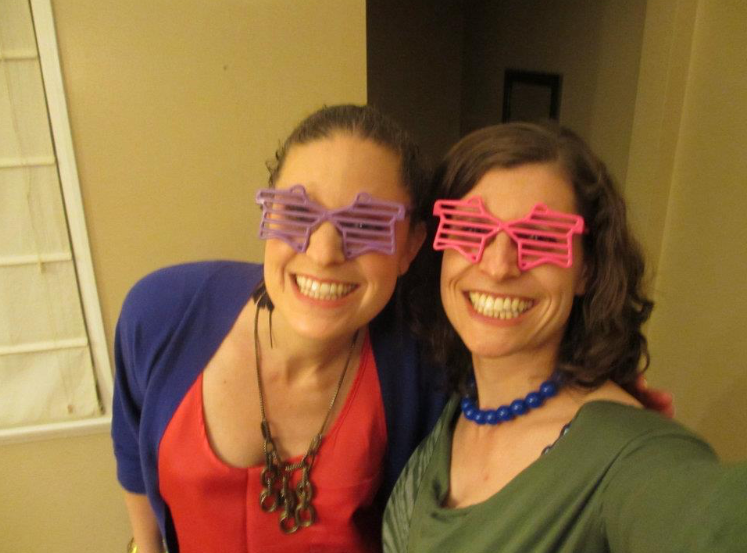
415	239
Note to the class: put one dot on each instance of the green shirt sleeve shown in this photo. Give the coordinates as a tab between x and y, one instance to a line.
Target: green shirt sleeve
667	492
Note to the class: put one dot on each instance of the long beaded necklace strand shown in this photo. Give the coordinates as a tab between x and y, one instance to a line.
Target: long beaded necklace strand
505	413
278	492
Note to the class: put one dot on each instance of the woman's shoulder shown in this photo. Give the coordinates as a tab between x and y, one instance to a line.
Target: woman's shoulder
188	277
180	311
170	288
609	391
627	427
199	297
609	424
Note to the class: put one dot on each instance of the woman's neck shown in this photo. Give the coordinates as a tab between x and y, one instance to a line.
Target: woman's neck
291	356
503	379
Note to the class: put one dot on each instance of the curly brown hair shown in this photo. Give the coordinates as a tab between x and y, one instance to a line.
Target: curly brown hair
603	338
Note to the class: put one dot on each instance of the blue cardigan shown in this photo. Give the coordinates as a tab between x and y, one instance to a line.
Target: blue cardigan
171	324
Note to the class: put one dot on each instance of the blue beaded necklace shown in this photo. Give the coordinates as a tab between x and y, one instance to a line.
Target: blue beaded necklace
505	413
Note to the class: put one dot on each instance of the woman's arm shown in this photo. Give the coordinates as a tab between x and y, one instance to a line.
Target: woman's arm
144	524
129	392
670	494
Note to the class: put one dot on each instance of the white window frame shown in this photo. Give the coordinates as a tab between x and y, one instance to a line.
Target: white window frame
49	60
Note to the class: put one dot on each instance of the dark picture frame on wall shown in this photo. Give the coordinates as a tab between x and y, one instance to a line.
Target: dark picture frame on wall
531	95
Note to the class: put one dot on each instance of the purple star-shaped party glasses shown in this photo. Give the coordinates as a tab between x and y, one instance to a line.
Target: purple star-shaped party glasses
366	225
543	236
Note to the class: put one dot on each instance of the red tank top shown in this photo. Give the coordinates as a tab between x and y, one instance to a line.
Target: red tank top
215	507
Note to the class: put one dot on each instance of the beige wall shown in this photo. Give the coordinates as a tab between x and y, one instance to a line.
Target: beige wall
594	44
692	197
414	63
174	108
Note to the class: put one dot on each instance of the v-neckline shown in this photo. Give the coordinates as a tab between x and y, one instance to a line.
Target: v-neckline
441	480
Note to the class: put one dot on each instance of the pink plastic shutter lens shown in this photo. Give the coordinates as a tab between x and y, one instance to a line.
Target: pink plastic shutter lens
543	236
366	225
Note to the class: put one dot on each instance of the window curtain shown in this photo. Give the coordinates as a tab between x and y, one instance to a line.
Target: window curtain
46	370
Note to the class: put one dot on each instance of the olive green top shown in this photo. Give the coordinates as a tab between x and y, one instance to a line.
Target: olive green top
620	480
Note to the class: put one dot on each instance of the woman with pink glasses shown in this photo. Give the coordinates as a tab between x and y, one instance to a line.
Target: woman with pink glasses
541	449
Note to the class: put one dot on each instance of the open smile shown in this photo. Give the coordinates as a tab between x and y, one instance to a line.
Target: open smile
499	307
323	289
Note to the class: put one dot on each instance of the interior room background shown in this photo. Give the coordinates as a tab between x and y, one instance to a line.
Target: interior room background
175	106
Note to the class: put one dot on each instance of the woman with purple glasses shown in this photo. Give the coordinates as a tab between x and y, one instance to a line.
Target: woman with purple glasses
541	449
271	408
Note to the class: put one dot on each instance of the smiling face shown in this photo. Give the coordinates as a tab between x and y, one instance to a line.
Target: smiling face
497	309
319	293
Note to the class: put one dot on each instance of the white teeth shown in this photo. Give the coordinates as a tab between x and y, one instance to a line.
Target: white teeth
323	290
498	308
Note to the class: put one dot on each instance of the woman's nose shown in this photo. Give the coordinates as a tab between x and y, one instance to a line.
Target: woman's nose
500	259
325	245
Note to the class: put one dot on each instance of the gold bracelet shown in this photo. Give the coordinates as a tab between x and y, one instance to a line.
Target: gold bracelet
132	547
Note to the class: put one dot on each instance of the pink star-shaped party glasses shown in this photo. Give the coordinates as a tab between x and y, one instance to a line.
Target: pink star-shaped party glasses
366	225
543	236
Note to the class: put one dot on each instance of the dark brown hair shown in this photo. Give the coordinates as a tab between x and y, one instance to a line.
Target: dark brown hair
368	123
603	338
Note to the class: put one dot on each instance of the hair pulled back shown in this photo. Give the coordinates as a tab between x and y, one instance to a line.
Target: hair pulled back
368	123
